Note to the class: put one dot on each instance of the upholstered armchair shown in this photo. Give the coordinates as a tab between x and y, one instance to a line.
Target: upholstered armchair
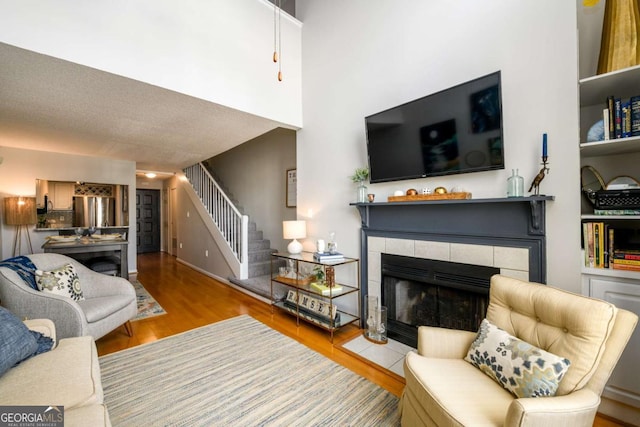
108	303
444	389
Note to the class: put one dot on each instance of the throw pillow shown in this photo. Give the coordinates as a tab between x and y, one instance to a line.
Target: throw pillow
61	281
521	368
16	341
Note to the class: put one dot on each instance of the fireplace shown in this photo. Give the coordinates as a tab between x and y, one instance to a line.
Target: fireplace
502	235
419	291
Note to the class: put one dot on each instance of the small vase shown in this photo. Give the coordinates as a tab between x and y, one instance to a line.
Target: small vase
362	193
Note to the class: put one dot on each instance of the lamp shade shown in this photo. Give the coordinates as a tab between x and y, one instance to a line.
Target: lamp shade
20	210
294	229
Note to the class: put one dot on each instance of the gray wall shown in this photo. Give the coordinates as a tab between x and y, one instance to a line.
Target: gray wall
255	174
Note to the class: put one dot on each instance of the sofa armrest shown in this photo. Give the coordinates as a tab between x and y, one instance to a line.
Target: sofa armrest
45	326
575	409
95	285
444	343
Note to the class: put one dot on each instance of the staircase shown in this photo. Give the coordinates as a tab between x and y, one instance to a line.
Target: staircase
259	249
259	252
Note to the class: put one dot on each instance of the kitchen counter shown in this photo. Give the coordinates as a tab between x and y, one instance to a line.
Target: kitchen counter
69	228
87	248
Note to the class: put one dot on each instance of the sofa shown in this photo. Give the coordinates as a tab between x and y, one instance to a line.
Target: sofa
68	375
542	357
107	302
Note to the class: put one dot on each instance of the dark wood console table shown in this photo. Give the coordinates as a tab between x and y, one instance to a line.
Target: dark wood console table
87	248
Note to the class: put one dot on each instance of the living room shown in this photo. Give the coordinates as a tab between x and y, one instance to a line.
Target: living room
341	62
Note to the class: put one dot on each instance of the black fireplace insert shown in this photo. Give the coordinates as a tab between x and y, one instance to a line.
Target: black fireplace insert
418	291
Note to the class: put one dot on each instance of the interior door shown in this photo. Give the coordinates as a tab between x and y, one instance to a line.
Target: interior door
147	221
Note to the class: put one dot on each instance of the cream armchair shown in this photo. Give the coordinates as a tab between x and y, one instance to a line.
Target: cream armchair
443	389
109	301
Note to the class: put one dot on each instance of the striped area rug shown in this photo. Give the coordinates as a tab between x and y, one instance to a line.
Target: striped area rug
238	372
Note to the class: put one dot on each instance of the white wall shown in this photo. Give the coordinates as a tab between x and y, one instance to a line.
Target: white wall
359	60
19	170
216	50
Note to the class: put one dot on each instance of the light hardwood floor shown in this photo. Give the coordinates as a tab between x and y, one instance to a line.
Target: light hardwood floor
193	299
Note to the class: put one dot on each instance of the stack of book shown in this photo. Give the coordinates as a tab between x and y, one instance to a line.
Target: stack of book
621	118
323	289
626	259
326	256
598	243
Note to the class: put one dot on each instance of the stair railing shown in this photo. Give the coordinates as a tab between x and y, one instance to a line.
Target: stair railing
230	222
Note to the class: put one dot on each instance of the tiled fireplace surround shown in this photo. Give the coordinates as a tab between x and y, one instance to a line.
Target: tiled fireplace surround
512	261
508	234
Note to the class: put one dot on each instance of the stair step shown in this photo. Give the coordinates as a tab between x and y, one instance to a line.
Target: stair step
258	244
255	235
260	255
259	268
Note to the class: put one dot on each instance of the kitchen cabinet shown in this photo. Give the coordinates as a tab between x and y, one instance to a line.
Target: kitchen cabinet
61	195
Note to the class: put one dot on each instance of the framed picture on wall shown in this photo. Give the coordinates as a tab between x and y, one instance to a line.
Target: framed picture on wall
291	188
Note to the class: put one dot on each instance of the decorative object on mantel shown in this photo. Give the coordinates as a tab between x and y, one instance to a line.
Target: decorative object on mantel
515	184
359	177
535	184
412	192
423	197
440	190
620	43
371	197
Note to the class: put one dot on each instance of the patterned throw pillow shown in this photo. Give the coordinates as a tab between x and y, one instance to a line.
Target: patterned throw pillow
521	368
61	281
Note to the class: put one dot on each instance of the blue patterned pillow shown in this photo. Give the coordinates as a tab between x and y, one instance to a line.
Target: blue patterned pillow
16	341
521	368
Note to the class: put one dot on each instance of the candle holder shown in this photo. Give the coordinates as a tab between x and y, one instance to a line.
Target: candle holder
535	184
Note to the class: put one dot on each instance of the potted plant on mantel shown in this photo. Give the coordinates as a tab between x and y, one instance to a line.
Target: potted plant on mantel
359	177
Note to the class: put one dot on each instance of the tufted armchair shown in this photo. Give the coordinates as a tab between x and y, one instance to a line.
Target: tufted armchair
109	301
443	389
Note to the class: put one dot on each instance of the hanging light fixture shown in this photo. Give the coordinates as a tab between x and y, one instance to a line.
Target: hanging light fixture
277	40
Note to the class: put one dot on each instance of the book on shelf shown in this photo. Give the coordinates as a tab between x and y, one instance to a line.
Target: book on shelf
326	256
634	107
626	119
621	118
623	261
597	240
617	116
612	119
626	254
616	211
324	289
617	266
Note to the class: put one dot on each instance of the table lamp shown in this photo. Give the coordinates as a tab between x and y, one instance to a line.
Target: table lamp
20	211
294	230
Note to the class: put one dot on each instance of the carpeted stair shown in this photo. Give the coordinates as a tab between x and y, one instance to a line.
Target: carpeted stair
259	253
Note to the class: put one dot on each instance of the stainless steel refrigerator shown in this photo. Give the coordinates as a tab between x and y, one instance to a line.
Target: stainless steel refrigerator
93	211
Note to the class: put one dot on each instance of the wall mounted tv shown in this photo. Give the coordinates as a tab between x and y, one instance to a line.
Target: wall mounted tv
456	130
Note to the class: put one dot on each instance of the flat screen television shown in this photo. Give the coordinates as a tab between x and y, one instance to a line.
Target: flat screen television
456	130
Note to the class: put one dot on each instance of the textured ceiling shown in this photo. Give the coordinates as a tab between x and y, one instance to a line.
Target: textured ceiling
50	104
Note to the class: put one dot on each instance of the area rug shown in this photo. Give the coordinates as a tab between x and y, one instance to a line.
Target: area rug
238	372
147	305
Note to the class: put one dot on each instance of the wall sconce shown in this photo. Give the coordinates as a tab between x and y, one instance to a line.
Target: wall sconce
294	230
20	211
